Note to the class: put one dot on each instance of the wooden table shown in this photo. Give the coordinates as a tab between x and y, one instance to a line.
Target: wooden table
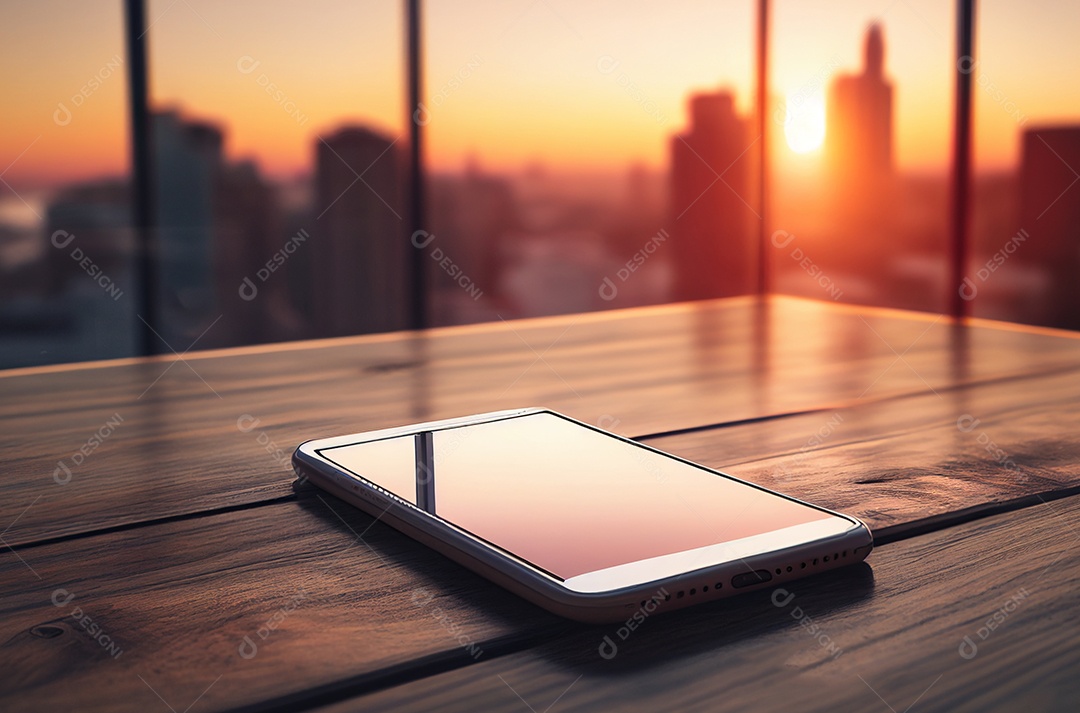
157	556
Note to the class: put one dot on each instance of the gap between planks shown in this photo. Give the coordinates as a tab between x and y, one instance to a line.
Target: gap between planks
455	659
890	533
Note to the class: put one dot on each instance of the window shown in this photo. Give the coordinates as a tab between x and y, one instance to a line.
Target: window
576	158
862	112
1026	206
66	269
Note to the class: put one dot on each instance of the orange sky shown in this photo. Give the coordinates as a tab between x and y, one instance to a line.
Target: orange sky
577	86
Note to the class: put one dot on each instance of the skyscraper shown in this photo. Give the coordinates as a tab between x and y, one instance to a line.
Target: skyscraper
98	214
359	249
1050	214
473	216
249	233
859	139
219	223
711	204
859	155
188	163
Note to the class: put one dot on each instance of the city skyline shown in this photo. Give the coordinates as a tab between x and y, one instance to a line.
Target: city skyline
588	121
510	240
710	213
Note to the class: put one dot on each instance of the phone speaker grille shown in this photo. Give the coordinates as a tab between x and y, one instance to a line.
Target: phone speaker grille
784	569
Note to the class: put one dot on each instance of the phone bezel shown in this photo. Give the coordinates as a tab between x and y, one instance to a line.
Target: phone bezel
589	596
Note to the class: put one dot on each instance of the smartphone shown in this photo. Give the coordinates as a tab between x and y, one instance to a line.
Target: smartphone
586	524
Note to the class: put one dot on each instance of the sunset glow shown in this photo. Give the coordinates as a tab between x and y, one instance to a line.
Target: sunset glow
554	139
575	87
804	126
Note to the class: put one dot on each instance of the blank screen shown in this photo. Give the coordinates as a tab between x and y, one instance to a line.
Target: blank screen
565	497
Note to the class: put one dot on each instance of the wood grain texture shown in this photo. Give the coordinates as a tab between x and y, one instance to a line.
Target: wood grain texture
173	604
215	431
899	461
816	403
179	597
893	639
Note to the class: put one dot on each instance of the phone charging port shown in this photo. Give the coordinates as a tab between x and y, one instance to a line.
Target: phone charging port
747	579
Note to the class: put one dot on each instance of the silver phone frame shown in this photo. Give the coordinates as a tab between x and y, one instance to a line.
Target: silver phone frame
713	581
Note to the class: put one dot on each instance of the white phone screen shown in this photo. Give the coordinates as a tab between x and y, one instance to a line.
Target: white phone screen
564	497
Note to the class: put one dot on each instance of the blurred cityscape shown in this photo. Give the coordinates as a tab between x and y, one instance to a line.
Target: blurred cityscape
248	260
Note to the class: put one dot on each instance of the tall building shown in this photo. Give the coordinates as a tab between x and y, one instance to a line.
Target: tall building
859	120
188	163
86	307
98	216
471	216
859	156
710	203
1050	215
359	246
251	243
219	223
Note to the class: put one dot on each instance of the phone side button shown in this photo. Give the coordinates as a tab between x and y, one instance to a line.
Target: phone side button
747	579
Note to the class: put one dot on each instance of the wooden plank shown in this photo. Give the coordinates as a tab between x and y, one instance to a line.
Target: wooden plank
215	431
164	611
178	598
895	463
975	618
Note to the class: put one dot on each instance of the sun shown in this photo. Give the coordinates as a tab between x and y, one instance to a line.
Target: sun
804	125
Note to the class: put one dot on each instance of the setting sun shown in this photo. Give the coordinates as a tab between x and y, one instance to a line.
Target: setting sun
804	125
